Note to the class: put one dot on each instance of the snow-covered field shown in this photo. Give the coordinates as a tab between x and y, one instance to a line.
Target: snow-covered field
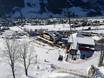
47	65
61	27
44	52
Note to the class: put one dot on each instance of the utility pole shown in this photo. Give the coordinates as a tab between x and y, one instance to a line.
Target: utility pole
68	16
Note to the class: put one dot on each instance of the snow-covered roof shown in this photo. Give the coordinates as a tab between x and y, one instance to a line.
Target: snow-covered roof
72	39
96	38
81	40
85	40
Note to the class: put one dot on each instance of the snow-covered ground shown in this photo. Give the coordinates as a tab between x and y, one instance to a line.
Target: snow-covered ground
51	55
61	27
44	52
47	65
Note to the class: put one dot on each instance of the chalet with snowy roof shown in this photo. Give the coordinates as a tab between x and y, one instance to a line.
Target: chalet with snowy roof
86	46
53	38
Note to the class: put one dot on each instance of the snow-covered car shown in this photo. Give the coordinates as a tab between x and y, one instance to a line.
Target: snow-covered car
95	72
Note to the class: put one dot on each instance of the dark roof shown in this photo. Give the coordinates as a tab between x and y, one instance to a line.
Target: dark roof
101	40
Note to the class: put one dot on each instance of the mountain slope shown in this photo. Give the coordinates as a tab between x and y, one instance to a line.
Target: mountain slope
49	8
6	6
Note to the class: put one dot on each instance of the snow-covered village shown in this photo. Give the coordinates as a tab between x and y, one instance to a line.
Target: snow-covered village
52	49
51	39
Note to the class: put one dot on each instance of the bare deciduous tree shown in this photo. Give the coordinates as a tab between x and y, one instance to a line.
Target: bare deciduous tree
26	57
11	53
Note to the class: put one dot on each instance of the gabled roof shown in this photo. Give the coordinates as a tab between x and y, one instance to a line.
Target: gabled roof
80	40
85	40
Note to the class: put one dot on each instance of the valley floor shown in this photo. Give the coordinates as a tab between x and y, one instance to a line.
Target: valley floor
46	64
